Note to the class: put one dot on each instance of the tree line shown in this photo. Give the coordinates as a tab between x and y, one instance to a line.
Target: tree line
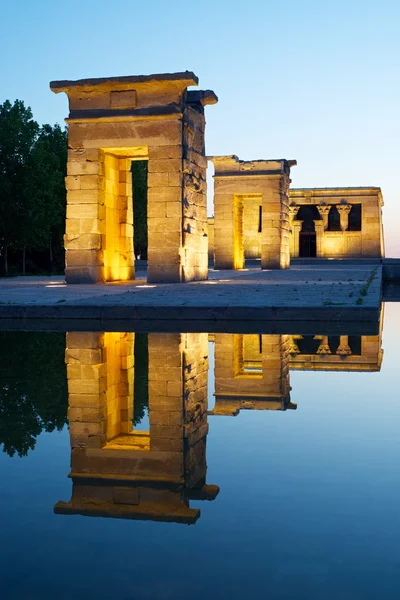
33	164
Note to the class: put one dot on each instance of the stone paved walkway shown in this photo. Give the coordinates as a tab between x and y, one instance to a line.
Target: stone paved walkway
301	286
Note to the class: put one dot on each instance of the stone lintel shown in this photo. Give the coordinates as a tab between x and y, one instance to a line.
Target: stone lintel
231	165
185	79
125	98
202	97
150	511
315	195
124	114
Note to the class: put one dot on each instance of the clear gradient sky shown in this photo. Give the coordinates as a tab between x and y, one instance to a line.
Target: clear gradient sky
312	80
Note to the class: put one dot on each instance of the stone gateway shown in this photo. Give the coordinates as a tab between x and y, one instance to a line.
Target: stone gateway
113	121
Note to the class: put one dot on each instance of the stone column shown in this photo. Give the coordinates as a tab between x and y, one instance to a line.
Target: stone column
319	231
275	242
293	348
324	211
293	210
344	348
323	348
296	228
344	211
177	389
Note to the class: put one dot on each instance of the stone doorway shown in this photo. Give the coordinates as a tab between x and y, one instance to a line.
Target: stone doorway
308	245
112	122
307	237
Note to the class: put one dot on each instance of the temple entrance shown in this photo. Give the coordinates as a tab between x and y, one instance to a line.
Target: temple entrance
113	123
308	245
307	237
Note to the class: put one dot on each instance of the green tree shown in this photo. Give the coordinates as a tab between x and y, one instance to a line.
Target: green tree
18	134
141	382
139	193
33	388
43	221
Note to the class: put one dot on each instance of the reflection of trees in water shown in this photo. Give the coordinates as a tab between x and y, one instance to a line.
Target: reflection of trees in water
33	388
141	381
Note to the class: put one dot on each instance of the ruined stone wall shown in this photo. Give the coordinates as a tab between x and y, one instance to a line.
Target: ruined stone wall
112	122
236	182
195	247
210	233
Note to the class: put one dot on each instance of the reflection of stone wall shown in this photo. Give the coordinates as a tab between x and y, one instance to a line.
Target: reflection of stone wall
112	122
122	473
343	357
251	372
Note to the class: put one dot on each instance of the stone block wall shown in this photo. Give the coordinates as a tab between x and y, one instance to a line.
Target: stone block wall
366	243
237	181
195	242
112	122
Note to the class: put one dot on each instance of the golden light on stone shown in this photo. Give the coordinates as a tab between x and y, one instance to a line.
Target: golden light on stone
116	470
113	121
241	227
367	242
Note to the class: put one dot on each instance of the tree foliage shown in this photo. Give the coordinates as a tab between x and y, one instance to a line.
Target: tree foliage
33	388
32	192
139	193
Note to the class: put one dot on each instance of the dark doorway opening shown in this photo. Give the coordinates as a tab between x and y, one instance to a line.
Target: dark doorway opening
308	238
141	382
308	245
139	196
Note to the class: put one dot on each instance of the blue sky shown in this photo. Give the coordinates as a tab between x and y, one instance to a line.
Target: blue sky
317	81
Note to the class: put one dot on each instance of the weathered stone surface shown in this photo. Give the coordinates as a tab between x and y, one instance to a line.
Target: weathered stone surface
111	122
239	184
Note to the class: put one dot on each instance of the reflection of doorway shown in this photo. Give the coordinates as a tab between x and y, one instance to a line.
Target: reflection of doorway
308	245
308	238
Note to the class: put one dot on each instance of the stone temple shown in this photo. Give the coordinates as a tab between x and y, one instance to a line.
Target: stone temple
156	118
113	121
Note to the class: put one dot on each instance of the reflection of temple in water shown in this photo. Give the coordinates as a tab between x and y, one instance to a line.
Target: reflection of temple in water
251	372
116	469
336	353
121	468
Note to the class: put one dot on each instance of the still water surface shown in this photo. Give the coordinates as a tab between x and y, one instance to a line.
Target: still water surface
308	502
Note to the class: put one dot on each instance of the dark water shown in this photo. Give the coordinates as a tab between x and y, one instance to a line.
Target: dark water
308	502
